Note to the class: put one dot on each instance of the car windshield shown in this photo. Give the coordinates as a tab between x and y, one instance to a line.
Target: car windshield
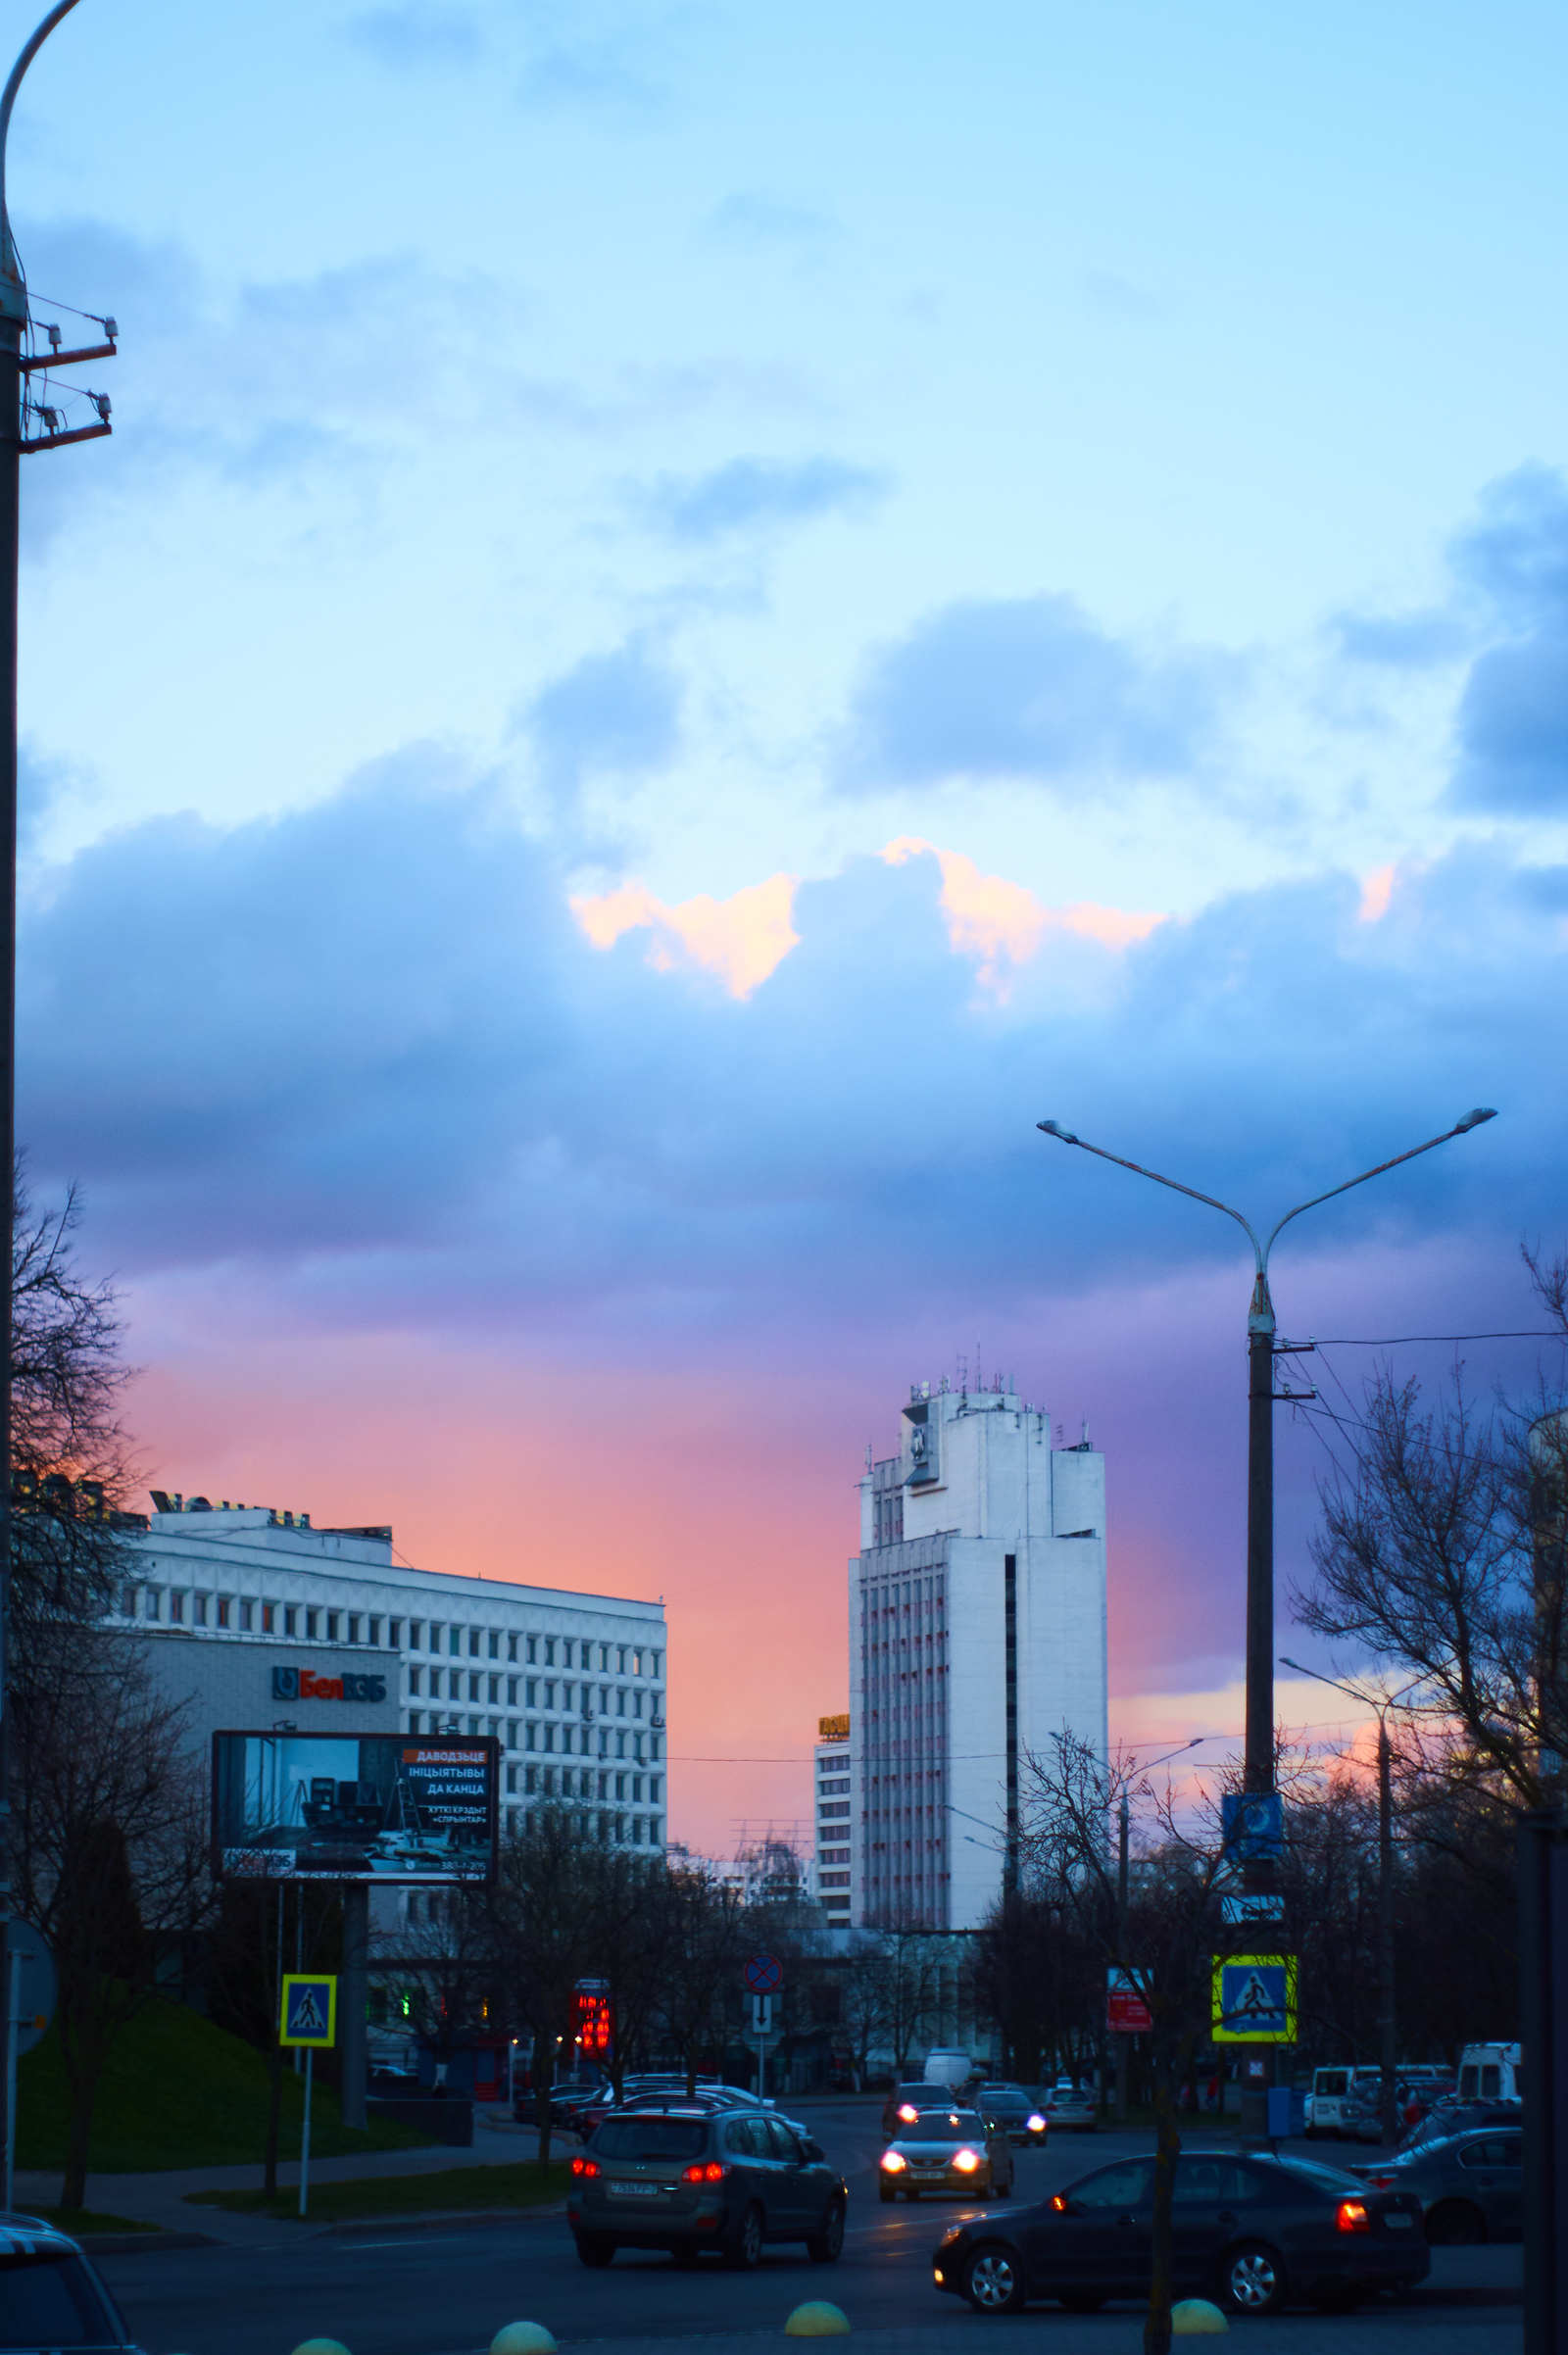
1321	2176
1005	2097
938	2124
48	2300
651	2138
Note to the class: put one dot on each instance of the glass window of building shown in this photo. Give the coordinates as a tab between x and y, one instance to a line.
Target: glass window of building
533	1738
416	1635
290	1619
511	1693
176	1609
312	1625
620	1701
493	1650
331	1626
475	1645
372	1630
550	1651
247	1615
153	1602
475	1688
636	1663
512	1732
414	1682
534	1650
512	1647
454	1643
435	1634
620	1659
198	1610
655	1788
493	1688
354	1626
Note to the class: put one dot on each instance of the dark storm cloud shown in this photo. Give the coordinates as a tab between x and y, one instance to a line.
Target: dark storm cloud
751	493
1029	688
366	1047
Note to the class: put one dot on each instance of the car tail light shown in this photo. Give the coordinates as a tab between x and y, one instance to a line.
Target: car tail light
582	2167
1353	2217
707	2170
894	2161
907	2112
966	2161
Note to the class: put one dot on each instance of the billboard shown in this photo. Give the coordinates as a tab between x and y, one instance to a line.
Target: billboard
372	1808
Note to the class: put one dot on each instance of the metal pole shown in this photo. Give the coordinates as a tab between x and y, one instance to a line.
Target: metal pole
1123	2055
13	323
1259	1735
355	1992
1388	2028
12	1987
305	2128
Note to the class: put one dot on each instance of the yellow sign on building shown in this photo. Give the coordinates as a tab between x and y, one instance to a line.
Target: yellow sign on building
833	1728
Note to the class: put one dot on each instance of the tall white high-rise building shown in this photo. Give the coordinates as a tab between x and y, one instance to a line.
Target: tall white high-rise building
977	1630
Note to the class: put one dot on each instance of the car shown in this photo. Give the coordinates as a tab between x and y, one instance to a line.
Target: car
1015	2110
1251	2230
1450	2118
903	2105
694	2180
1471	2186
50	2295
946	2150
1072	2109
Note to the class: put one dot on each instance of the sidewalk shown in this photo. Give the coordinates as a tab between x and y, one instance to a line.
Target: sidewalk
161	2197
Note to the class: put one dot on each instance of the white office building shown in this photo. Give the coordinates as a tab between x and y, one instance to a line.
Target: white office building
833	1852
977	1630
257	1618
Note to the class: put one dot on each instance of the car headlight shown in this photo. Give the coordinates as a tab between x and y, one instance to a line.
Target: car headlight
937	2274
966	2161
1035	2123
907	2114
894	2161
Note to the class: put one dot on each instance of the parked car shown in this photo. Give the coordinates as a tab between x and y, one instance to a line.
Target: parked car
1450	2118
1074	2109
1471	2187
50	2295
1339	2092
1015	2110
1251	2230
947	2150
690	2181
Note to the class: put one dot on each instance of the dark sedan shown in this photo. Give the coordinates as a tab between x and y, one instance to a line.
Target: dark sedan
1251	2230
1471	2187
1015	2110
50	2295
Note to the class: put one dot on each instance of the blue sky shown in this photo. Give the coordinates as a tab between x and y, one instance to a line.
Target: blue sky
586	481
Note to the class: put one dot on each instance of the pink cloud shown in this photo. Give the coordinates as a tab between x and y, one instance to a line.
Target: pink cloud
1002	924
739	940
1377	890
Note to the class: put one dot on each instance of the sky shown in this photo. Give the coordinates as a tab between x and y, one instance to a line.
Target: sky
693	619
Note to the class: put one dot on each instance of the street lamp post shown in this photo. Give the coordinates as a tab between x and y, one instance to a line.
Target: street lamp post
1123	1842
1261	1350
1388	2026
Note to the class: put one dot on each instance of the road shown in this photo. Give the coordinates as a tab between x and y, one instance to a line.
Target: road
382	2290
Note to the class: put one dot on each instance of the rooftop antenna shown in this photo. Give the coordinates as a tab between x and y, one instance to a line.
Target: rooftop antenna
869	1456
979	1379
964	1376
1084	1441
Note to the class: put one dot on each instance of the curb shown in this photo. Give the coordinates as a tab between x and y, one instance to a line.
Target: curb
436	2220
131	2244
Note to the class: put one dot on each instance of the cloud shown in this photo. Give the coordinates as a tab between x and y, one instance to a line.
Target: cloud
749	493
1025	688
1002	926
739	940
756	221
414	37
1512	720
616	712
1399	641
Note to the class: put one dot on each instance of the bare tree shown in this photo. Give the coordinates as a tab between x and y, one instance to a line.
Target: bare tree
705	1950
1163	1940
109	1848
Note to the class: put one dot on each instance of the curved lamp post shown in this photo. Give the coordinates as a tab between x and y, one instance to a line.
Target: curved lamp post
1261	1351
13	323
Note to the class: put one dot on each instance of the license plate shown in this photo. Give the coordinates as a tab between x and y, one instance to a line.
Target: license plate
635	2191
1398	2223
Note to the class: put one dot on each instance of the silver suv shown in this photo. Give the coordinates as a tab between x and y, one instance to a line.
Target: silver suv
690	2180
51	2298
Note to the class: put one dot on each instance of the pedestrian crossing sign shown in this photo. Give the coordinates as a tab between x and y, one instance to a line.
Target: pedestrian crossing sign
310	2009
1254	2000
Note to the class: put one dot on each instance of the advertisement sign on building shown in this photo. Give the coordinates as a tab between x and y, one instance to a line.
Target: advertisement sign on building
373	1807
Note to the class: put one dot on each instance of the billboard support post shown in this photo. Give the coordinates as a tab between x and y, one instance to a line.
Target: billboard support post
305	2131
355	2000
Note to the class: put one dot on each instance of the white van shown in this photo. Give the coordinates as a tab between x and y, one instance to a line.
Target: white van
947	2068
1336	2093
1490	2073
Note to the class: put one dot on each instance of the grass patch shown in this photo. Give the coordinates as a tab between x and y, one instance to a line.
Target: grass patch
176	2091
525	2186
82	2223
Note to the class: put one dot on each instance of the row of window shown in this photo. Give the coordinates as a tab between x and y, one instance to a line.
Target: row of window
580	1783
829	1808
448	1683
608	1743
834	1879
826	1789
833	1856
575	1652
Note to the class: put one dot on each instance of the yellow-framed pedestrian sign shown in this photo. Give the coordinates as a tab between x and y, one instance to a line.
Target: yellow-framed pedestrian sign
1253	1999
310	2010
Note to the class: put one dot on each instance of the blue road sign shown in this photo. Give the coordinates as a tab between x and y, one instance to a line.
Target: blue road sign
310	2009
765	1974
1253	1825
1254	2000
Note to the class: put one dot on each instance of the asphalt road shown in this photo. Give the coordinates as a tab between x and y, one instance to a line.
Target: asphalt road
385	2290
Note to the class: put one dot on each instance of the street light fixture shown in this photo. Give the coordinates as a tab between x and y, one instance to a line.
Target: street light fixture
1388	2028
1258	1772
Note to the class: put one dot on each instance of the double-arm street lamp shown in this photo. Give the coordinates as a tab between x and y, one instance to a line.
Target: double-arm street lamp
1263	1347
1387	2030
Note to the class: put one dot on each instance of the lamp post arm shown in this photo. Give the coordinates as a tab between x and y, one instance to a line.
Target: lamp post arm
1259	1250
1459	1129
10	273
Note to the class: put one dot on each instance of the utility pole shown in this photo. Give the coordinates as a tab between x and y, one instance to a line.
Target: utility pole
1258	1871
1387	2034
17	411
1123	2057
